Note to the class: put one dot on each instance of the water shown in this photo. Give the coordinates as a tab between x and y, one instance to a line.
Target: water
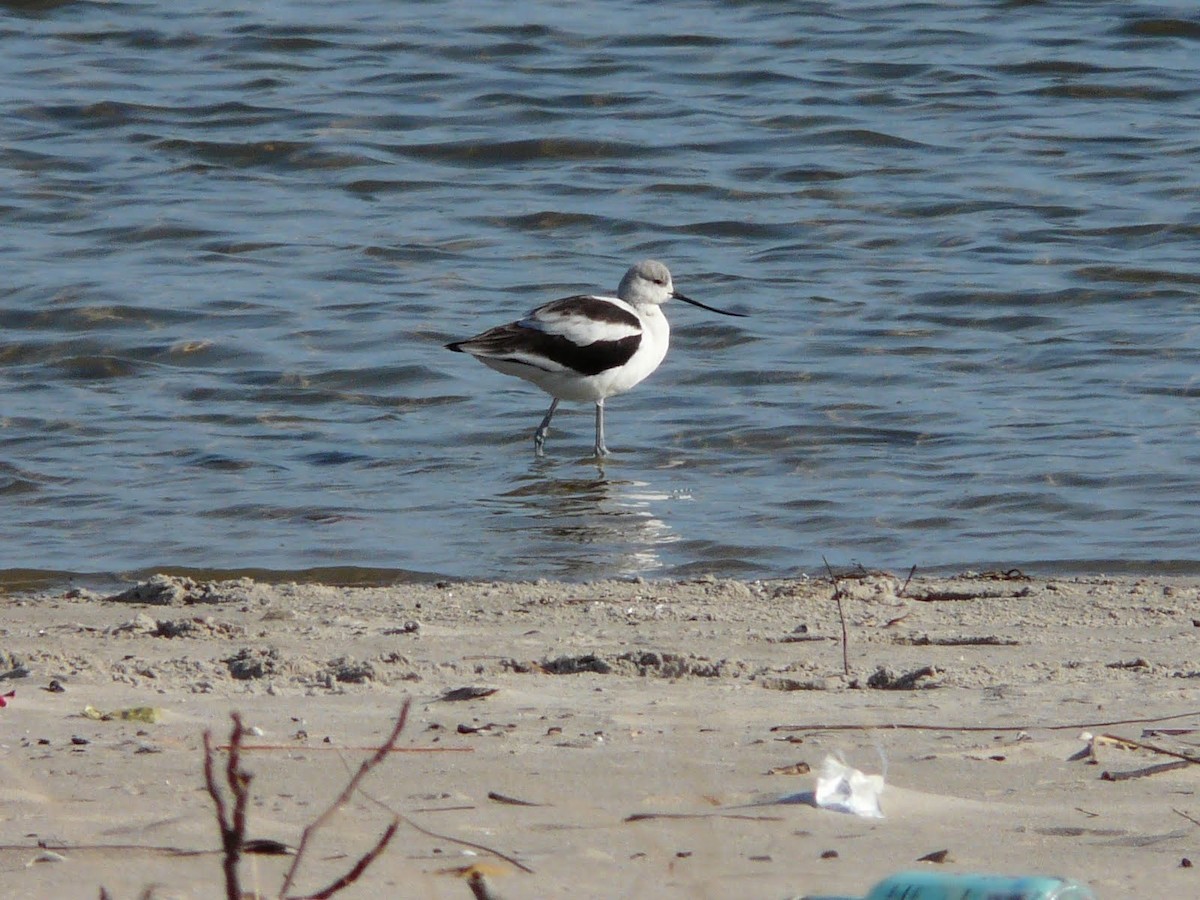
234	241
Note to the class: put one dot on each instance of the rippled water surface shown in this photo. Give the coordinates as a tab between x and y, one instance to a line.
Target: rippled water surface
235	237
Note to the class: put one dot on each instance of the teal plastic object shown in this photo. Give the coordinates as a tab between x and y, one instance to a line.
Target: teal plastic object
949	886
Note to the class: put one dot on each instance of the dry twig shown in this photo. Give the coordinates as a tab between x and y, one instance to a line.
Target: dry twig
1186	757
380	754
645	817
837	596
232	824
480	889
1144	772
511	801
231	813
913	726
332	748
516	863
925	640
357	869
1180	812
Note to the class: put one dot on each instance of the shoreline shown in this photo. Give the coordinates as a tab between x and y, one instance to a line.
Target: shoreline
653	724
30	579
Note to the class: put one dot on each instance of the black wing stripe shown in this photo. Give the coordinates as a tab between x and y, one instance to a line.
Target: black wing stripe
591	359
526	346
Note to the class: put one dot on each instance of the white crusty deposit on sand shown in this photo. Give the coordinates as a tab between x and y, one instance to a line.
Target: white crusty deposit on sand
650	725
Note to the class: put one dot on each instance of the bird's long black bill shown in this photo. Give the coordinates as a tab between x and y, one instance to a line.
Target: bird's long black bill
679	296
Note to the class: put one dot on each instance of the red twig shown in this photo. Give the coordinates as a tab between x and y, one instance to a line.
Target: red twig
328	748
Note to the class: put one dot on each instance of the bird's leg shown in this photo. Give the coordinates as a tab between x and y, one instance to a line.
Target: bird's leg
600	449
539	436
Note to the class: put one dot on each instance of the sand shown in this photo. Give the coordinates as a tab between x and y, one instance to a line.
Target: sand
655	734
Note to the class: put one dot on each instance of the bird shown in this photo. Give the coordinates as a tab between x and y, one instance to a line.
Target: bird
587	347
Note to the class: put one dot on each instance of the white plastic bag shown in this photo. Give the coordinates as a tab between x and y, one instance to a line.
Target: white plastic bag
845	789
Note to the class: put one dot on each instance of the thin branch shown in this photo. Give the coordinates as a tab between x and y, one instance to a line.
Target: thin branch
329	748
357	869
210	782
829	569
1076	726
1143	773
453	840
232	826
139	848
1153	749
845	639
479	887
1180	812
837	596
364	768
511	801
445	837
645	817
239	782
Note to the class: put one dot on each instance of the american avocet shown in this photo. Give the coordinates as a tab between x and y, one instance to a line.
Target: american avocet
586	347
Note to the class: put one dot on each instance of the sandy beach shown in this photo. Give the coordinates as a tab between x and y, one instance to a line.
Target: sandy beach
608	739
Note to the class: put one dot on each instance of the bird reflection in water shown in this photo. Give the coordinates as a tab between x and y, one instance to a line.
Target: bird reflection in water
611	520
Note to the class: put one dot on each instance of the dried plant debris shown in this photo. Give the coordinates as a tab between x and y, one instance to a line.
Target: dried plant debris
268	847
645	663
799	768
1076	831
248	664
1179	759
924	640
1140	663
497	797
1006	575
956	596
1144	772
782	683
12	667
885	680
347	670
574	665
149	715
800	637
471	692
